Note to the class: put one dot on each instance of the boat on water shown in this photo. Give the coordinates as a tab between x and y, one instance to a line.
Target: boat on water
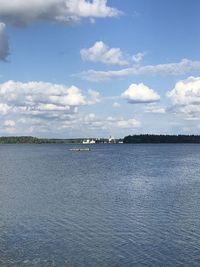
80	149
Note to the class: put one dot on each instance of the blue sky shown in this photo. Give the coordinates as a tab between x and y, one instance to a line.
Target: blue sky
99	68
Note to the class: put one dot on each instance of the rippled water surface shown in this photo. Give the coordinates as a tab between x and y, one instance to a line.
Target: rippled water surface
117	205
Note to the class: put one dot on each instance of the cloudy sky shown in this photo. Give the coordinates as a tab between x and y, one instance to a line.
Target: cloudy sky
80	68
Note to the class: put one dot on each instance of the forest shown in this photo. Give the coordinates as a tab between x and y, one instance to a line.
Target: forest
151	138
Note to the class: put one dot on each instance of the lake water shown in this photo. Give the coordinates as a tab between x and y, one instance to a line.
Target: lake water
117	205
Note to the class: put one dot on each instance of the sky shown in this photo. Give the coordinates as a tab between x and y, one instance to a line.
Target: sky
77	68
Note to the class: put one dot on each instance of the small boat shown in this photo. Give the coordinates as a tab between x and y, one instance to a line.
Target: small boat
80	149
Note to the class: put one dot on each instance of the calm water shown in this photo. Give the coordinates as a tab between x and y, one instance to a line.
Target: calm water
118	205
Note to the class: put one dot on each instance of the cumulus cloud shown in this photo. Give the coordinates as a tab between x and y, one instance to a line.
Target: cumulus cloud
186	92
185	96
4	45
34	94
180	68
23	12
140	93
100	52
40	108
44	95
43	101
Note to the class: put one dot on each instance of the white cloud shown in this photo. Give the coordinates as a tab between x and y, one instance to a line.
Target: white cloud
140	93
92	125
138	57
185	97
42	100
39	107
109	123
186	92
100	52
94	97
4	46
155	109
189	109
4	109
180	68
46	95
32	94
128	124
23	12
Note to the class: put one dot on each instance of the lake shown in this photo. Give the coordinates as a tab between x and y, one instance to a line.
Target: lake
116	205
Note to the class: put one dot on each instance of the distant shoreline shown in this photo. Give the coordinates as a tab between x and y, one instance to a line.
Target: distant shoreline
131	139
36	140
161	139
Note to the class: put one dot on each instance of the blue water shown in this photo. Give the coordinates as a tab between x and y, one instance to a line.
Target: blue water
117	205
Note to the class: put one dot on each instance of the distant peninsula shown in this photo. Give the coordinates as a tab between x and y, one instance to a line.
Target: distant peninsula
159	139
35	140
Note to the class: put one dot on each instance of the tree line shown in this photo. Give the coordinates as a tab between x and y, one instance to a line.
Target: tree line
130	139
151	138
35	140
